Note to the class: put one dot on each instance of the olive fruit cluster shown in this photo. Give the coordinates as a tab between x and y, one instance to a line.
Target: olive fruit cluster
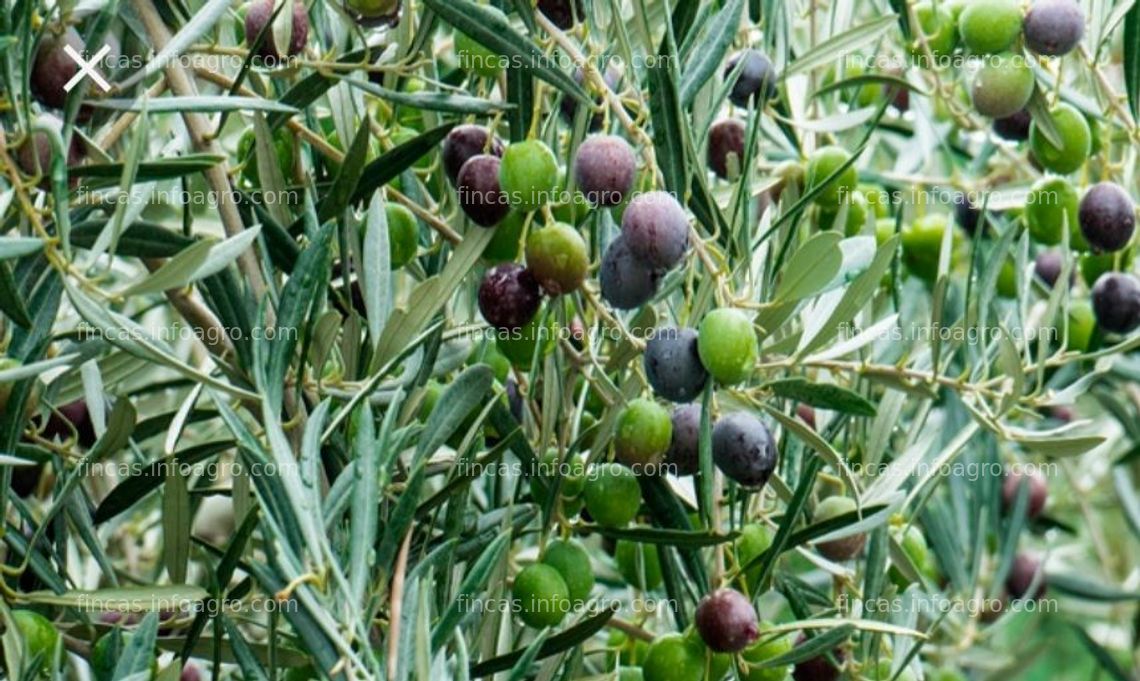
654	238
547	590
1004	82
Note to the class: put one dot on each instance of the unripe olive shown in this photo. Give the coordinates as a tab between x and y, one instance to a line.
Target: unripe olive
990	26
938	27
612	494
727	345
529	175
821	165
1050	209
573	563
542	596
1076	140
1002	85
557	256
644	432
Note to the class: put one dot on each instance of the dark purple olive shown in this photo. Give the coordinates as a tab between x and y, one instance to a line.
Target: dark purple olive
1048	265
744	449
672	365
1116	302
480	196
726	148
757	80
684	454
818	668
626	281
1107	217
657	229
726	621
1053	27
509	296
1015	127
605	168
462	144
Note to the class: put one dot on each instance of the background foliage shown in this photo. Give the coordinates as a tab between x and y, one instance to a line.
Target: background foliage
298	381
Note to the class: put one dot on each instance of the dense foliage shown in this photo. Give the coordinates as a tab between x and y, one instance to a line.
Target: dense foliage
624	339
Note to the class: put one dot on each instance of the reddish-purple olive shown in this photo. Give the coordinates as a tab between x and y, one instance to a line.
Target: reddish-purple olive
726	621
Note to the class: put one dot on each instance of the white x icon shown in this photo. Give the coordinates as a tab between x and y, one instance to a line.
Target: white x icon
86	68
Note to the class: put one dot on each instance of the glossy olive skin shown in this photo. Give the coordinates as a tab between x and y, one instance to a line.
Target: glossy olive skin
1081	322
768	648
683	455
822	164
542	596
1054	27
922	245
939	29
480	195
1038	491
573	563
1107	217
612	494
726	621
1048	266
1051	205
529	175
644	432
1116	302
1002	86
727	345
744	450
626	281
757	80
990	26
558	258
605	168
673	657
656	228
463	143
673	364
726	148
1015	127
509	296
1076	140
